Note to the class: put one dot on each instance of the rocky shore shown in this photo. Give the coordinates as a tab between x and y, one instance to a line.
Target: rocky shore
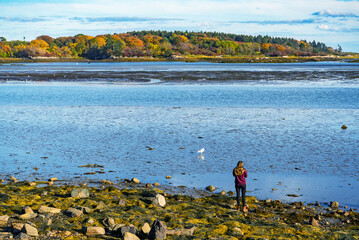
133	210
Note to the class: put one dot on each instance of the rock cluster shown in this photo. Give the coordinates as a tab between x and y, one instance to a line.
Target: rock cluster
139	212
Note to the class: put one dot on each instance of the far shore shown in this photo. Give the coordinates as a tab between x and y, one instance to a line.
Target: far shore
214	59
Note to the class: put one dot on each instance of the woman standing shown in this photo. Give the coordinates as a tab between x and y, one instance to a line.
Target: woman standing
240	174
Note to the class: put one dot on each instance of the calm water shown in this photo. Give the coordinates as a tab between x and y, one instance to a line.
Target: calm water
288	132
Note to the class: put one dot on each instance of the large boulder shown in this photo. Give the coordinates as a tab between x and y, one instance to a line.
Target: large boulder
146	228
334	204
27	216
158	230
159	200
210	188
30	230
80	193
4	219
135	180
45	210
124	229
129	236
73	212
93	231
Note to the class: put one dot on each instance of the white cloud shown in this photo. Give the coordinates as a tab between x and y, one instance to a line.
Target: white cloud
323	27
330	13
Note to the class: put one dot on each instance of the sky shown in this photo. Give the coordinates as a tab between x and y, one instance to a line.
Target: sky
333	22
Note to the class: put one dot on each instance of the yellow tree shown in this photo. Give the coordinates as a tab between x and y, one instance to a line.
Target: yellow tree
5	50
39	43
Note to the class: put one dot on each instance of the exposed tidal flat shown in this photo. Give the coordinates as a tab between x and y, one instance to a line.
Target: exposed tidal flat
286	129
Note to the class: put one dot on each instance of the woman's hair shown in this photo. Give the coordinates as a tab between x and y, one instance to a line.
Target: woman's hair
239	170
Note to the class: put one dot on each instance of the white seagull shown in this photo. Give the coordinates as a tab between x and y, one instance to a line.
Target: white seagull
201	151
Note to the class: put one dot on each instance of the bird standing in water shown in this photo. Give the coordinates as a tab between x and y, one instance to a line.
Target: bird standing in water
201	151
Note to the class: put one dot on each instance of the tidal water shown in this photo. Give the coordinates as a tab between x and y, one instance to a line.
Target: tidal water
286	129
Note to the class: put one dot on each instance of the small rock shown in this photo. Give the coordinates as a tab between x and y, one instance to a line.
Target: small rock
27	216
344	127
135	180
129	236
146	228
122	202
5	235
48	222
334	204
236	231
210	188
117	227
101	206
314	222
22	236
13	179
340	211
80	193
223	192
268	200
85	210
50	183
73	212
156	184
148	185
106	182
230	193
16	227
45	209
30	230
90	221
168	177
52	179
27	209
346	214
93	231
158	230
159	200
32	184
4	219
124	229
109	222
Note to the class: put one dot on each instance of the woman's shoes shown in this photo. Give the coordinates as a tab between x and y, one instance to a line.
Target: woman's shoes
244	209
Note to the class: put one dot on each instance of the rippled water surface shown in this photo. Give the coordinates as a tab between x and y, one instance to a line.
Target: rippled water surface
288	133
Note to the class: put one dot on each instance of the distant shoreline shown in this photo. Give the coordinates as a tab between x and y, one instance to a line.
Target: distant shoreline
244	59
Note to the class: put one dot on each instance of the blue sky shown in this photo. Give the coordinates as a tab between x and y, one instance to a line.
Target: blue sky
330	21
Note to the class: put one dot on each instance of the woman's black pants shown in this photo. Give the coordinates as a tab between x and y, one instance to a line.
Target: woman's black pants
241	188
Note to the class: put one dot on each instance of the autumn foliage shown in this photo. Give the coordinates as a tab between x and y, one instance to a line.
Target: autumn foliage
159	44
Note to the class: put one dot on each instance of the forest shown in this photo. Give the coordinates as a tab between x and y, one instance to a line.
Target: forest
161	44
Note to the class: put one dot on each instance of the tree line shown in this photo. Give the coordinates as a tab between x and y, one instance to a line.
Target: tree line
160	44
